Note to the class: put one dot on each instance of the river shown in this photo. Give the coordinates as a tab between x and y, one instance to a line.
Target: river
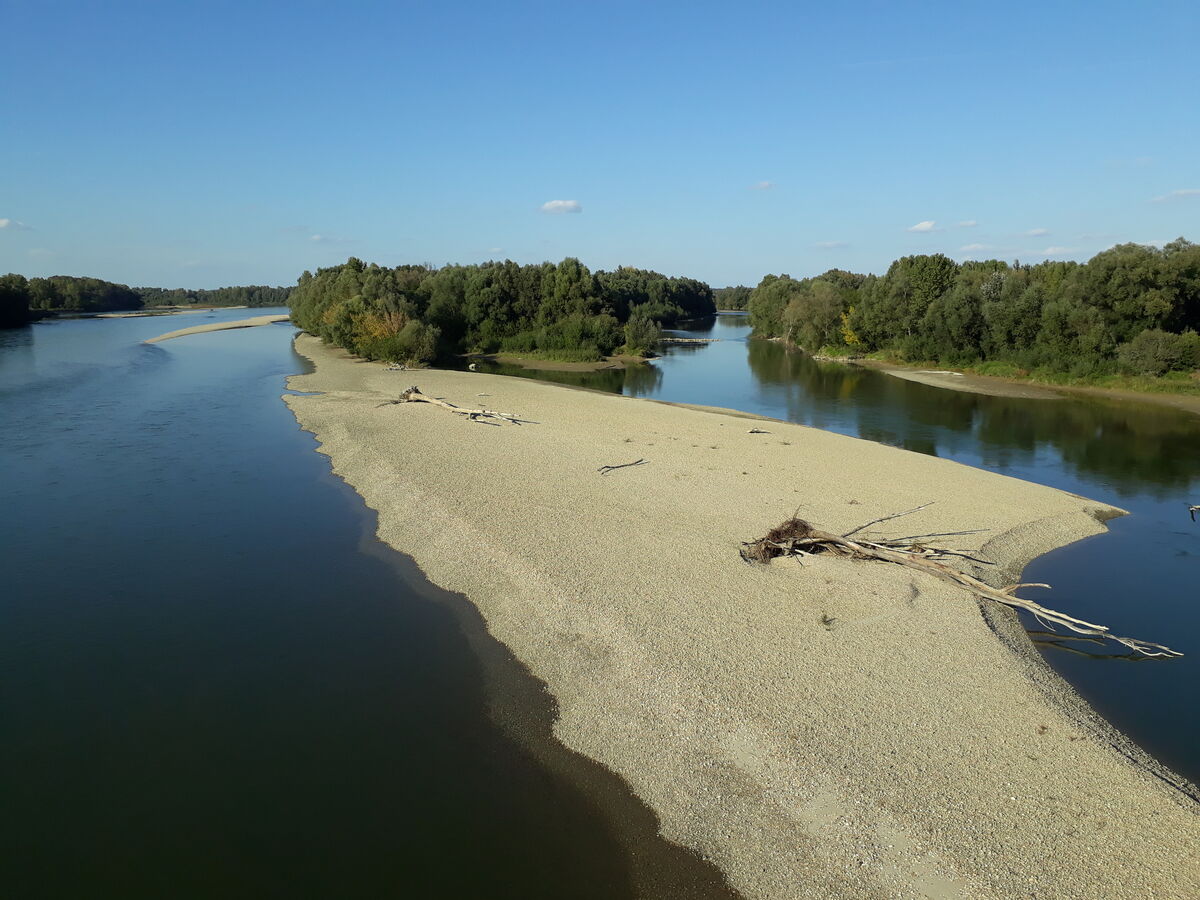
216	682
1140	578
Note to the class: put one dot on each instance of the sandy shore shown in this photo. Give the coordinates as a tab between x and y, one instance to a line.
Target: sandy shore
1007	387
973	384
838	730
218	326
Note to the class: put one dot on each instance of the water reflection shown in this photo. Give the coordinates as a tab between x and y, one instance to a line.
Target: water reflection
635	380
1130	447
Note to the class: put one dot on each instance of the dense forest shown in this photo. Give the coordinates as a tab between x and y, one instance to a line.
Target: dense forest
22	298
415	314
14	300
251	295
80	294
732	297
1132	309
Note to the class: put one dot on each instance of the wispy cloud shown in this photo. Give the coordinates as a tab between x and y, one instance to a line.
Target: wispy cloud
974	248
39	252
1056	251
1181	194
327	239
966	223
1037	232
923	227
495	249
13	225
556	207
762	186
830	245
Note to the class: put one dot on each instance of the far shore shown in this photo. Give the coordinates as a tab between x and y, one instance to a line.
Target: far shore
219	326
837	729
995	386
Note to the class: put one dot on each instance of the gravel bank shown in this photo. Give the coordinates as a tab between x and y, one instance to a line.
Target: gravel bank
838	730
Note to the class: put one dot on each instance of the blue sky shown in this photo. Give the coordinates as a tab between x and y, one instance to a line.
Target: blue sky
204	144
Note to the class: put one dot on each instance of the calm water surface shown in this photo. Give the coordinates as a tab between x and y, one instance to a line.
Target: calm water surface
1140	579
215	682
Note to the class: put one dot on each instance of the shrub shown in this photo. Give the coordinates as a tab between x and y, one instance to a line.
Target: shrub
1156	352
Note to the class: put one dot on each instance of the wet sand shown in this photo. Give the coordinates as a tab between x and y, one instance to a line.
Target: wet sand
840	729
218	326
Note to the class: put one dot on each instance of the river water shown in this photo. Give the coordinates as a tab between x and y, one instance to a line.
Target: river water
216	682
1140	579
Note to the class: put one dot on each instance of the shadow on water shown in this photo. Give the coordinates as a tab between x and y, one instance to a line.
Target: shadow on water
215	681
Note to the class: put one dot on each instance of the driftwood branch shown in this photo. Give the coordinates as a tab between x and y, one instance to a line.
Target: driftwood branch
604	470
414	395
907	512
796	537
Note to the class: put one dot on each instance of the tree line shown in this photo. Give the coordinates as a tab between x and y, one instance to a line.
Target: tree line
417	313
22	299
735	297
1130	309
249	295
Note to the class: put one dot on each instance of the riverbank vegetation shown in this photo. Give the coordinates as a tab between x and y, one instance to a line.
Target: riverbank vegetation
1127	315
415	314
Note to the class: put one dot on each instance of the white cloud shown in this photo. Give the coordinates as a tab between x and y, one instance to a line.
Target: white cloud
495	249
923	227
830	245
762	186
1037	232
966	223
561	206
39	252
1056	251
1173	195
972	248
13	225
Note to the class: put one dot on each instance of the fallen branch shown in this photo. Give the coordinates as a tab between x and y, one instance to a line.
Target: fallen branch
796	537
414	395
604	470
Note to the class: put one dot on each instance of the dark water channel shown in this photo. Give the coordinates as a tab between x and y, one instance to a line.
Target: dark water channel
215	682
1141	579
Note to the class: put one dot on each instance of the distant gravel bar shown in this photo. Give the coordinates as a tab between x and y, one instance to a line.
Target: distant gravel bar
218	326
837	730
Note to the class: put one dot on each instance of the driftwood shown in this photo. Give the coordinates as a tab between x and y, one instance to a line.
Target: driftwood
1192	510
414	395
795	537
604	470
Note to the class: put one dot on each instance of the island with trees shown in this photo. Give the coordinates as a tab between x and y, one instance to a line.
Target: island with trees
415	314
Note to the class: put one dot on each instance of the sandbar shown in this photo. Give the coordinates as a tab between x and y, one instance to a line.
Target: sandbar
219	326
840	729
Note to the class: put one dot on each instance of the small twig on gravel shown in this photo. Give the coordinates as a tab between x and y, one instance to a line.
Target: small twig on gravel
604	470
